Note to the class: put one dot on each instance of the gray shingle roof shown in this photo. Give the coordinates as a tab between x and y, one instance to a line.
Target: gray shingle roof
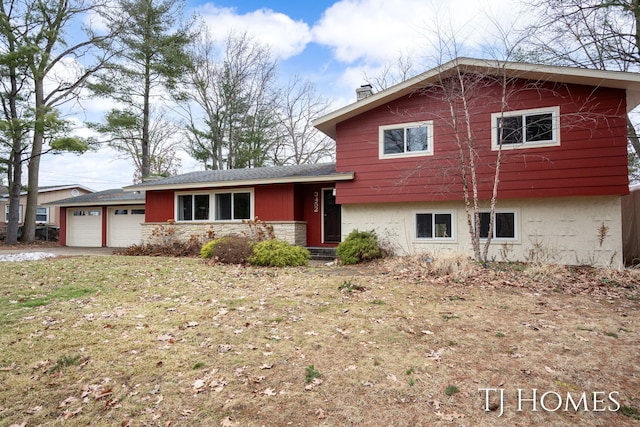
229	176
106	197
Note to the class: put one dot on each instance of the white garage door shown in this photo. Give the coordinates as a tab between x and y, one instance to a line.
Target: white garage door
84	227
124	226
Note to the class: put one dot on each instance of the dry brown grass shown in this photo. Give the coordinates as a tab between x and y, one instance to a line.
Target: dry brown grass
134	341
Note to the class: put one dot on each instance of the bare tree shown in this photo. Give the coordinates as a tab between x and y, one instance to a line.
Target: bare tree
463	89
232	114
392	72
596	34
301	142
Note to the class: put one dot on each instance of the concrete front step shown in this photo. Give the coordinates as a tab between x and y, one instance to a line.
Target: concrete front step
322	253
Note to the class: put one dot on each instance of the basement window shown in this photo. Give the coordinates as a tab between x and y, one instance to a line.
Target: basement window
504	226
434	226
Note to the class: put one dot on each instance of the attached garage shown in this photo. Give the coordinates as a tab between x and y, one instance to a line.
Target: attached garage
84	226
124	226
110	218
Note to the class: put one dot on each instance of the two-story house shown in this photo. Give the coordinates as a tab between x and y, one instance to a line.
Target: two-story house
558	136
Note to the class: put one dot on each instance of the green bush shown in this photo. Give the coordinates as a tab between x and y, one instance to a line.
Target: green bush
359	246
278	253
228	249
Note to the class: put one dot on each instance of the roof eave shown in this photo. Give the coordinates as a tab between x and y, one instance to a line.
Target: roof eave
343	176
97	203
613	79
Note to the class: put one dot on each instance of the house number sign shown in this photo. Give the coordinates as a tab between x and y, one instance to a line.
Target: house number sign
316	202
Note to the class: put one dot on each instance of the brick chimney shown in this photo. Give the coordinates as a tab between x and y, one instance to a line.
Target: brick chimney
363	92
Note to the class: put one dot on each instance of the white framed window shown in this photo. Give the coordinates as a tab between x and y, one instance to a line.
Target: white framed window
6	213
42	215
435	225
193	207
505	225
233	206
217	206
406	140
538	127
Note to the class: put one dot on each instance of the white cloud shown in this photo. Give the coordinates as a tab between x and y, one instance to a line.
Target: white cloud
284	36
97	170
375	31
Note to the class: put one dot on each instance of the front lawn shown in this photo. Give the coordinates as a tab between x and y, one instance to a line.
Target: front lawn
134	341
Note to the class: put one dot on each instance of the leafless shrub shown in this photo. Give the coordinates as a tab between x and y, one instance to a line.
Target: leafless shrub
166	241
456	265
232	249
542	271
258	230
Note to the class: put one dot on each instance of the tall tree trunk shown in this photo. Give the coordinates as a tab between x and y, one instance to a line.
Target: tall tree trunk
29	228
145	168
15	188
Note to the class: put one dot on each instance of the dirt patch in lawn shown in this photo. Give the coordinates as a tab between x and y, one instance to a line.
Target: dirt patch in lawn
134	341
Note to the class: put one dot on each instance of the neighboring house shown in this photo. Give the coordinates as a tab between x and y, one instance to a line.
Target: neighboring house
110	218
46	214
563	170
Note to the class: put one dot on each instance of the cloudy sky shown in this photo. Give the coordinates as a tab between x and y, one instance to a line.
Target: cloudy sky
334	44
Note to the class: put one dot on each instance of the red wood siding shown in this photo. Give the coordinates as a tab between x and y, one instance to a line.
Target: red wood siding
159	206
312	205
278	202
62	235
274	202
591	160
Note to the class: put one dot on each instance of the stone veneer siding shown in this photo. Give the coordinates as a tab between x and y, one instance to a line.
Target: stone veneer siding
294	232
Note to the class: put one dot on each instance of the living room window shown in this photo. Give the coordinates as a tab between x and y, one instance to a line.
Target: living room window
193	207
223	206
233	206
504	225
406	140
434	225
526	128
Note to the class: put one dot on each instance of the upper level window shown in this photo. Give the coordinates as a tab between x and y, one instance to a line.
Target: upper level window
407	139
526	128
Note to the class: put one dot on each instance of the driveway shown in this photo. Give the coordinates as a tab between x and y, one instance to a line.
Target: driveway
57	250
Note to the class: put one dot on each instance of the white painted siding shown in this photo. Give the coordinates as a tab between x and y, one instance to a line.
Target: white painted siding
560	230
